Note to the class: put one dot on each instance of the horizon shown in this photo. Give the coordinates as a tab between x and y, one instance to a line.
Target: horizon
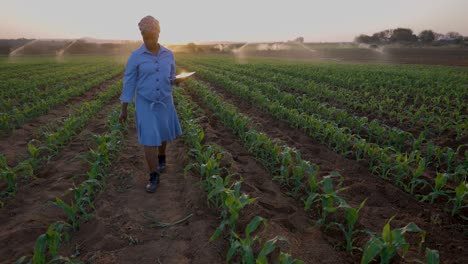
260	21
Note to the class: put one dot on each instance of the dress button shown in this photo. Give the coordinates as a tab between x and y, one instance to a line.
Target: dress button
157	80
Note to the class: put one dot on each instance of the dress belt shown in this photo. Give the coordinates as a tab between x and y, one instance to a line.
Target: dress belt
152	105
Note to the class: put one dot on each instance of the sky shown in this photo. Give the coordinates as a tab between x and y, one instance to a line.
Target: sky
234	20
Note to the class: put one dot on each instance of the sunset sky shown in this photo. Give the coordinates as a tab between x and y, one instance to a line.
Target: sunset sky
236	20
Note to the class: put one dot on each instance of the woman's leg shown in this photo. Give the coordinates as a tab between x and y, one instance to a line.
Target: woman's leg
151	155
162	157
162	149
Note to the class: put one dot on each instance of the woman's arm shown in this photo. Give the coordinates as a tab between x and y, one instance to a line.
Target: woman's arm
123	113
130	80
129	86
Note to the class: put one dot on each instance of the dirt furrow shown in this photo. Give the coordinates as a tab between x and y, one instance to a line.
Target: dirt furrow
119	233
30	212
14	145
445	233
285	215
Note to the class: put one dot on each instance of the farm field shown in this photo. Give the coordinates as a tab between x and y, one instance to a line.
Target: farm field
281	161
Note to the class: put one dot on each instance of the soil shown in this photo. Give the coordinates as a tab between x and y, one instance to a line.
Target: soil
30	212
120	232
14	145
444	233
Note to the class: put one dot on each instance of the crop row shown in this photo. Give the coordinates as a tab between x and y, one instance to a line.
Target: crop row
14	88
405	170
224	192
83	196
11	81
300	177
28	70
52	141
444	159
448	113
22	67
404	80
18	116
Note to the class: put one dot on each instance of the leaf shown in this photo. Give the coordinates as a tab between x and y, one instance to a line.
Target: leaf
310	200
432	256
285	258
269	246
412	228
232	250
40	249
372	249
247	254
386	232
460	191
22	260
218	231
253	225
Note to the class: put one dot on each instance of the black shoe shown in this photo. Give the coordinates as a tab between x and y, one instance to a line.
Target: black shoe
162	163
153	182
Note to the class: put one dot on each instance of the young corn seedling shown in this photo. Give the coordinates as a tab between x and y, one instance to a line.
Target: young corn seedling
389	243
314	188
432	256
233	202
285	258
78	206
460	200
7	174
244	246
329	197
49	242
415	180
300	171
351	215
438	189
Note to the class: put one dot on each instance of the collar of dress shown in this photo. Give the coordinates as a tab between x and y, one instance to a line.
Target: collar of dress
143	49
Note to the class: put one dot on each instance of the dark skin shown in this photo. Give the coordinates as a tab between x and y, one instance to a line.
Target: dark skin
151	152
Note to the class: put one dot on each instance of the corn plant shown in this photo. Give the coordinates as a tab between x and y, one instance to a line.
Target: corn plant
78	207
438	189
432	256
330	201
460	200
49	242
244	246
285	258
389	243
313	190
233	201
351	215
9	176
415	179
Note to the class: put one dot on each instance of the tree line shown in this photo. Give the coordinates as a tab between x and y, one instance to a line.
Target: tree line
406	35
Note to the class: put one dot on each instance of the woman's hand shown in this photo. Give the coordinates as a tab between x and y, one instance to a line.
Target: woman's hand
123	113
179	81
123	116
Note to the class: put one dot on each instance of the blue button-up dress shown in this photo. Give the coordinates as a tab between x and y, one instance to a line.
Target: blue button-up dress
148	78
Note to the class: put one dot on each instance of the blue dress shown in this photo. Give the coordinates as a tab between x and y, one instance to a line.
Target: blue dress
149	79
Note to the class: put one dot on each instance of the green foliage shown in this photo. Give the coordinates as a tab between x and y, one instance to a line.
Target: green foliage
389	243
351	217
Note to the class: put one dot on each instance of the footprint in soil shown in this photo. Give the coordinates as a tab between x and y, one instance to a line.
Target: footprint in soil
287	224
268	191
282	210
249	188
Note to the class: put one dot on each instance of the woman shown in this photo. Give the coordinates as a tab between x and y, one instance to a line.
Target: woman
150	72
